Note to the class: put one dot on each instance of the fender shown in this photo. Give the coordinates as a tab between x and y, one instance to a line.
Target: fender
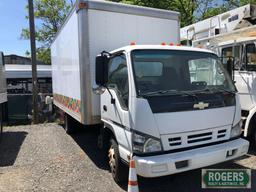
252	112
108	126
123	150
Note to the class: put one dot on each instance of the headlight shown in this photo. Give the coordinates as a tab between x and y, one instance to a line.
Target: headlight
145	144
236	130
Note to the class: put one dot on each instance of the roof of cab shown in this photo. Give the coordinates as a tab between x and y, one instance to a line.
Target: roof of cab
160	47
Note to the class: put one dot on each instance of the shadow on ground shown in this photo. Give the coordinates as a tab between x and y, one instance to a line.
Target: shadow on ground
185	182
10	146
86	138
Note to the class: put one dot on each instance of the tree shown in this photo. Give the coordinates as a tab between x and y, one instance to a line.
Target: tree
185	7
50	15
225	6
190	10
238	3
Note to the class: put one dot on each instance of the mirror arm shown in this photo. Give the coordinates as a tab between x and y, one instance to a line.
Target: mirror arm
105	53
113	101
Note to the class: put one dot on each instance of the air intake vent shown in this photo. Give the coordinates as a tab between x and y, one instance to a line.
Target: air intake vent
222	133
175	141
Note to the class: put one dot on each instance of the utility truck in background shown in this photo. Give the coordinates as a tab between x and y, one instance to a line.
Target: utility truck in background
235	40
3	91
118	66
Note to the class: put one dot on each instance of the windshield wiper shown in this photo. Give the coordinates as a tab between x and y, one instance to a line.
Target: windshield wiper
224	90
170	92
215	88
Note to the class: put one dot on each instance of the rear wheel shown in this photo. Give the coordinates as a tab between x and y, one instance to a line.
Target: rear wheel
118	169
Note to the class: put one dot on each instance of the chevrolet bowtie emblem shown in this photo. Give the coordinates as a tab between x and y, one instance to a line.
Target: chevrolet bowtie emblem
201	105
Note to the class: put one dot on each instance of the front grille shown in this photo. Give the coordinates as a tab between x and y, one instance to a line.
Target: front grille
199	137
195	138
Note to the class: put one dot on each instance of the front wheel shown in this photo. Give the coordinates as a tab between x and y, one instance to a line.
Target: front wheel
253	132
117	167
1	127
1	121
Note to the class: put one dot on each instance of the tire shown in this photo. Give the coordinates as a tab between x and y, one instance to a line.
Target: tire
1	121
1	128
253	131
118	169
70	124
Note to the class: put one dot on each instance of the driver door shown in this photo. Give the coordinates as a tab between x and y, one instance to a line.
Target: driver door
116	113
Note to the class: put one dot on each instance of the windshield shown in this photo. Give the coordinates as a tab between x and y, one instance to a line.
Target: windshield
178	72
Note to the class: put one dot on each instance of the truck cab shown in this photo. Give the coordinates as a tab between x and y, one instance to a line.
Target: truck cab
171	108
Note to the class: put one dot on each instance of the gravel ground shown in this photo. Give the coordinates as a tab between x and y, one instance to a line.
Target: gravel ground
44	158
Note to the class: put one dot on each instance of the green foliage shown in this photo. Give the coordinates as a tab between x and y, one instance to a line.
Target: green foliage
185	7
44	54
50	14
225	6
191	10
213	11
244	2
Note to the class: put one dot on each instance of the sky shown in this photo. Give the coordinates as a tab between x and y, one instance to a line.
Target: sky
12	20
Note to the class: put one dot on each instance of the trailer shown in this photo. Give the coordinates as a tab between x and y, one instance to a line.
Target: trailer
19	91
3	92
237	43
121	67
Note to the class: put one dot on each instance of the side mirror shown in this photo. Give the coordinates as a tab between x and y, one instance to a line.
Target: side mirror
101	70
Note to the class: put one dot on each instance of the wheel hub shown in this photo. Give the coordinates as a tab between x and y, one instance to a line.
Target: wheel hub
112	160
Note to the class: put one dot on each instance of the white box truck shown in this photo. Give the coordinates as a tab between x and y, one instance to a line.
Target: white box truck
3	90
149	99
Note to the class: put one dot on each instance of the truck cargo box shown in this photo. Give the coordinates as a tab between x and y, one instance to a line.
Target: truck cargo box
90	28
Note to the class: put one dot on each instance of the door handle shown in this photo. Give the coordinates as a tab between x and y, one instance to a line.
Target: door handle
105	108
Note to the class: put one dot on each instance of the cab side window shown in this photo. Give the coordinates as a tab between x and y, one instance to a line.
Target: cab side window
232	53
251	57
118	79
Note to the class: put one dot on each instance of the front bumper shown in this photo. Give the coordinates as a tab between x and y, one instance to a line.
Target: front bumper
167	164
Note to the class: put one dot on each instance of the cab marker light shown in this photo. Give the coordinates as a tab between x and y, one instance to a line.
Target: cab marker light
81	5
